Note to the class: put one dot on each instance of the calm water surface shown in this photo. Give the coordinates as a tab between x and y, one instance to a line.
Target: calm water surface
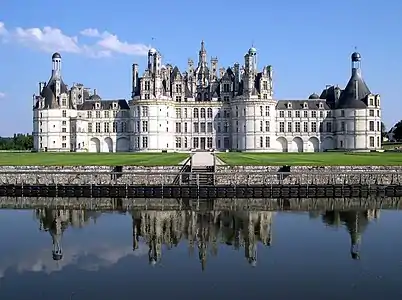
71	254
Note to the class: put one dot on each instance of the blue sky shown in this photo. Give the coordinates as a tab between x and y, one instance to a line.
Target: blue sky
308	43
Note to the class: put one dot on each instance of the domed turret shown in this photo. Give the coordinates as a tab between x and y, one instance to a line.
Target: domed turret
356	56
314	96
252	51
56	55
152	51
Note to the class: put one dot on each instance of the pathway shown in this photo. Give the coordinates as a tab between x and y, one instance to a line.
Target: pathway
202	159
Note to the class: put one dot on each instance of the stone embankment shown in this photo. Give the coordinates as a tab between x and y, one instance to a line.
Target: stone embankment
252	175
97	175
219	204
224	175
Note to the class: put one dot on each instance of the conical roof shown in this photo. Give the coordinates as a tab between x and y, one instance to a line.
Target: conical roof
354	93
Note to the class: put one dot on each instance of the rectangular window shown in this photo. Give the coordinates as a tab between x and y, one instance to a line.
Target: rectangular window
144	126
305	126
209	127
267	142
90	127
297	114
209	142
281	126
144	142
64	114
281	114
267	127
371	126
178	127
297	127
313	127
289	126
98	127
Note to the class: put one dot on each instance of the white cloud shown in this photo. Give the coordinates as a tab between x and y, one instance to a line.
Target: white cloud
100	255
48	39
2	95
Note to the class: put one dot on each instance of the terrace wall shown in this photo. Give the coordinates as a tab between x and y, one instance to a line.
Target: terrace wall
224	175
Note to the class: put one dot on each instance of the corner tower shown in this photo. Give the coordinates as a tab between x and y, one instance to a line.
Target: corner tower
357	113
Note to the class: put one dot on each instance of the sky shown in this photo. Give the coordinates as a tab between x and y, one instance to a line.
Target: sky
308	43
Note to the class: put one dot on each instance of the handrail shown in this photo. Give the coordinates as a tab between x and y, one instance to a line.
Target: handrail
178	176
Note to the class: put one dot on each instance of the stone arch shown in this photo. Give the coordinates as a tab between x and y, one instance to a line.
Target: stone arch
122	145
282	144
297	144
313	144
328	143
94	145
108	145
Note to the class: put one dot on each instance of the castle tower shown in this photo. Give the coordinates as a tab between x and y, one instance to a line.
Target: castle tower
56	233
358	124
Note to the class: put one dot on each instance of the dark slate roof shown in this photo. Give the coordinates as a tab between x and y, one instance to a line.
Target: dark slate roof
299	104
314	96
104	104
56	55
348	98
49	92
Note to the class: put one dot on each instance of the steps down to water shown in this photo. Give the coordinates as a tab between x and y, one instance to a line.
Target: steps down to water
202	175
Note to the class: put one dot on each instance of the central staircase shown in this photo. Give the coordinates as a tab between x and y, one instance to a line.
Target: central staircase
202	175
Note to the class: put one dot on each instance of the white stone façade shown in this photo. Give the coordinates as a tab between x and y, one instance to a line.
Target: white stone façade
205	107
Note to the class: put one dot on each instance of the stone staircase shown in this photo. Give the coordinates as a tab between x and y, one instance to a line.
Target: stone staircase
203	175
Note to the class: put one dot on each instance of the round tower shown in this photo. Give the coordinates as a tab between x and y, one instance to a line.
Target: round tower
351	109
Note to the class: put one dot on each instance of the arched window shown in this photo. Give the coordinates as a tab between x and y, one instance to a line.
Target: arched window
209	112
202	112
195	113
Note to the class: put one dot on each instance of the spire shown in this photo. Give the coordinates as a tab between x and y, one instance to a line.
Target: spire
202	60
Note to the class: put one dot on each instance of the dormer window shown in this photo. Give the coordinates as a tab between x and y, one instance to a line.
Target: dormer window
97	105
114	105
289	105
305	105
320	105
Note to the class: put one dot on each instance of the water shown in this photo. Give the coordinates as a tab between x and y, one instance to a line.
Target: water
74	254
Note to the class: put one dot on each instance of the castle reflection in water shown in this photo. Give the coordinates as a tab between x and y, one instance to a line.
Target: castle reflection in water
204	231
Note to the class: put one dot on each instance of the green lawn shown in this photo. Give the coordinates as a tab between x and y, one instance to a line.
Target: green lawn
312	159
91	159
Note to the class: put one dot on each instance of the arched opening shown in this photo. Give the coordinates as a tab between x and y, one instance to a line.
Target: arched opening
122	145
108	145
94	145
297	145
313	145
282	144
328	144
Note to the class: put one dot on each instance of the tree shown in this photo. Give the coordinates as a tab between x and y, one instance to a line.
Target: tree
383	130
397	131
17	142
